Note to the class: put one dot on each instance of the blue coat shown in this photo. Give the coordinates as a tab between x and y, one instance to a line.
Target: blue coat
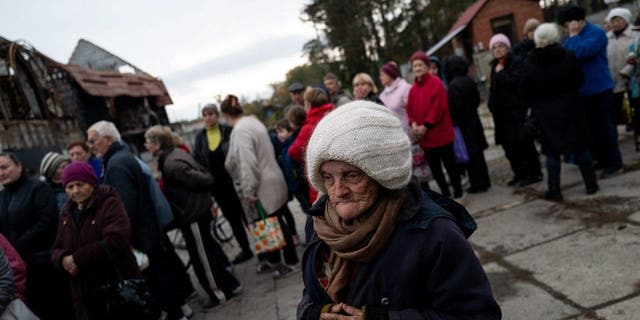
427	271
590	49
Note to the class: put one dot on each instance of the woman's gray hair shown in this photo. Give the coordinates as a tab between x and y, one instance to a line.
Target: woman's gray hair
106	129
546	34
161	136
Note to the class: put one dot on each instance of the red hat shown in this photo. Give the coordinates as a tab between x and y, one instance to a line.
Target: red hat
79	171
391	69
420	55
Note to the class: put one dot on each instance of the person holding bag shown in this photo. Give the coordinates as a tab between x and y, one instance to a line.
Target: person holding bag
93	228
258	179
187	185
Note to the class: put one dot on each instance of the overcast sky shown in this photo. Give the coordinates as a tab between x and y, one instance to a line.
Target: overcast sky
199	48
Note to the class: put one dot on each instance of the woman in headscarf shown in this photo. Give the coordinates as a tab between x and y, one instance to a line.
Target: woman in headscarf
379	247
94	239
258	178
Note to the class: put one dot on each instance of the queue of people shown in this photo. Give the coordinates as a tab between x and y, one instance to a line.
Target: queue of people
347	159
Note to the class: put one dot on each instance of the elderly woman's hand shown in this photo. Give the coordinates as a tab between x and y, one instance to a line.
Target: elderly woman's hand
342	311
69	265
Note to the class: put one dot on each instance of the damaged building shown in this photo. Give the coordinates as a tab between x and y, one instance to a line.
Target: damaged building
45	104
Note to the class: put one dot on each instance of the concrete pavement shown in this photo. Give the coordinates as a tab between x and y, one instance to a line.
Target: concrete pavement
576	259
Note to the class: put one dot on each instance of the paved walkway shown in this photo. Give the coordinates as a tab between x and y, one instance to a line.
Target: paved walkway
546	260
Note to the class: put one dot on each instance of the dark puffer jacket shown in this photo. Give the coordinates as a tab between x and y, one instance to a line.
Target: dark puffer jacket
426	271
100	243
28	218
550	85
509	113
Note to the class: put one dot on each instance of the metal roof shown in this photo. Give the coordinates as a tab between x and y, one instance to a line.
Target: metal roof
468	15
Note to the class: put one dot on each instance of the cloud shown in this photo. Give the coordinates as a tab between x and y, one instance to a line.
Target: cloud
258	54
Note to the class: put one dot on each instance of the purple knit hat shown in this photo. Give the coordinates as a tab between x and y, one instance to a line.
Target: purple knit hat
391	69
79	171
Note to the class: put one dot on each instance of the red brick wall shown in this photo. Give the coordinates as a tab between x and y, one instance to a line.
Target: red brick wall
522	11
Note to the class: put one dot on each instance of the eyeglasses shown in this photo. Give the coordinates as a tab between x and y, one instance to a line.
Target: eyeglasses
93	141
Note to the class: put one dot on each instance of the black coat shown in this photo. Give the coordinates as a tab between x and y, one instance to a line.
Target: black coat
464	100
509	113
123	172
29	218
550	84
427	270
202	154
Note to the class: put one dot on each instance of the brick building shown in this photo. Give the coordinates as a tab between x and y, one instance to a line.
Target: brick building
484	18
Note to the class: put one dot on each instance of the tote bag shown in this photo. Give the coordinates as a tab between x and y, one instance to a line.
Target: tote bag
459	147
266	232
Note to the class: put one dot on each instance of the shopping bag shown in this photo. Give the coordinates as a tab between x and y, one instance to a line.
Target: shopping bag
420	167
17	310
459	147
266	232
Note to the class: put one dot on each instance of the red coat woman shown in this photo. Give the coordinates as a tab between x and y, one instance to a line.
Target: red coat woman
93	237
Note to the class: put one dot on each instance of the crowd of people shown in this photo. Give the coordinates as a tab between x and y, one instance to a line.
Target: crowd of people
349	161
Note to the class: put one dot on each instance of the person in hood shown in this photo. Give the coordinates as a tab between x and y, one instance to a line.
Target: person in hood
464	100
377	246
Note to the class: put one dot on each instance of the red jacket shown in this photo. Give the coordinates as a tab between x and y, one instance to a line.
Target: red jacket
18	266
428	104
299	146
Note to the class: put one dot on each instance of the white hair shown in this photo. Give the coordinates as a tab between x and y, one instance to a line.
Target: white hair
546	34
106	129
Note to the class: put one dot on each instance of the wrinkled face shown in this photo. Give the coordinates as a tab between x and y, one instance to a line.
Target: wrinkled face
210	119
98	145
350	190
77	154
332	86
499	50
385	79
153	148
419	68
79	191
9	170
618	24
58	174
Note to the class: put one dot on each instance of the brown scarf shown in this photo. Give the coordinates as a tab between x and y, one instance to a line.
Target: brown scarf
357	242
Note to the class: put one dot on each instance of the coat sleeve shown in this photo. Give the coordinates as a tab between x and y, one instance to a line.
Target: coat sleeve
18	266
116	233
299	146
586	45
439	108
45	213
411	107
7	285
456	284
198	152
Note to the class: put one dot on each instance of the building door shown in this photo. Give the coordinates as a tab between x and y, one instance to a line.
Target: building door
505	25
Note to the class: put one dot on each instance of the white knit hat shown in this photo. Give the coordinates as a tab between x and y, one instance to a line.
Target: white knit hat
366	135
620	12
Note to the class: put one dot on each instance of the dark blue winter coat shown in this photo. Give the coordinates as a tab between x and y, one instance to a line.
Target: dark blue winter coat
427	271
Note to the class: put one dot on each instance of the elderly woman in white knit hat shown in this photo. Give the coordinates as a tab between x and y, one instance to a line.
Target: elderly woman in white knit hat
620	38
378	247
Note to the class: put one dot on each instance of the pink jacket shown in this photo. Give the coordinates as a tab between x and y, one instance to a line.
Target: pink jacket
18	266
395	98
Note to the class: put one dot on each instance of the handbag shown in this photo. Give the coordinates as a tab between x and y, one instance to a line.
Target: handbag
459	147
266	232
17	310
419	165
123	298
